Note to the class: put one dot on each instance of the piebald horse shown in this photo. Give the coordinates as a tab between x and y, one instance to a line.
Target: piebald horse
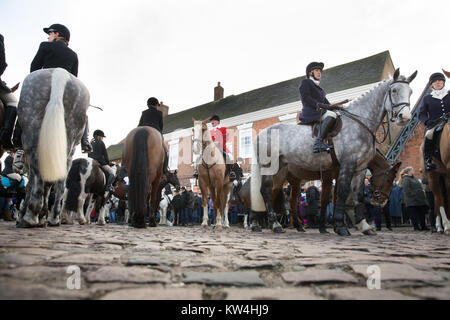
211	175
289	144
85	178
52	113
143	158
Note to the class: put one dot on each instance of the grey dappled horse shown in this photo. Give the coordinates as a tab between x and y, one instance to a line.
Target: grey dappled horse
52	113
354	148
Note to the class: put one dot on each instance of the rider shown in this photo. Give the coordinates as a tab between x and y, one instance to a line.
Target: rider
434	106
99	153
9	101
314	99
14	176
56	54
219	136
239	175
152	117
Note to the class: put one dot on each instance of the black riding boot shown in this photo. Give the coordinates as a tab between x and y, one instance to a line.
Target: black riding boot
85	145
428	150
8	126
109	182
325	127
166	163
17	136
228	166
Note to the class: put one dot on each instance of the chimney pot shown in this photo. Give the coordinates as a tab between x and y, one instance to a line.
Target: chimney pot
218	92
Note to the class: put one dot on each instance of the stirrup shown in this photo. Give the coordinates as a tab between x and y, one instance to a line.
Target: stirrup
86	148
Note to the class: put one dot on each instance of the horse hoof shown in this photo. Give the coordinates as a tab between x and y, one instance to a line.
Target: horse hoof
101	223
323	231
447	232
300	229
256	229
278	230
24	224
67	222
343	232
139	226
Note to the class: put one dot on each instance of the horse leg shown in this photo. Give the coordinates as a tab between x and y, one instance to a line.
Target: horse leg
343	190
34	205
218	206
327	182
266	192
65	219
44	212
102	211
91	204
227	199
358	196
153	203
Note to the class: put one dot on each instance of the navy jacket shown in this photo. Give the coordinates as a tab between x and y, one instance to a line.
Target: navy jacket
152	117
8	166
99	152
432	109
55	55
311	94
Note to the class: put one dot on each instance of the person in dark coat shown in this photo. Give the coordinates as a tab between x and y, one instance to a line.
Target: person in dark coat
177	204
395	204
313	200
152	117
9	102
56	54
14	177
316	107
430	199
100	154
415	200
373	213
184	201
189	206
433	107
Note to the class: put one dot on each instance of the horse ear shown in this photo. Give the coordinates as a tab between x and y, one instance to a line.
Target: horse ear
193	120
447	74
207	120
396	74
412	77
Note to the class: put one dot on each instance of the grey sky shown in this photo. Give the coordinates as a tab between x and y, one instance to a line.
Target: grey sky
179	50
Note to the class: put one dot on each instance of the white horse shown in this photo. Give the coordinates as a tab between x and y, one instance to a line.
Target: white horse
163	208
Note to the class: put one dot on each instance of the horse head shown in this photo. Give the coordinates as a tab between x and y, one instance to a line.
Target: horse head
397	99
447	74
201	134
172	178
382	185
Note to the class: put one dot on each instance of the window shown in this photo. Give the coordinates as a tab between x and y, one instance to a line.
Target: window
230	149
245	143
173	155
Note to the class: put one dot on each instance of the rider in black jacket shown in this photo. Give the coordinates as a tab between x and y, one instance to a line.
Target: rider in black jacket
99	153
56	54
9	101
152	117
434	106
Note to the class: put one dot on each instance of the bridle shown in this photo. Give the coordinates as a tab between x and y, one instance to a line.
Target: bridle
378	192
403	105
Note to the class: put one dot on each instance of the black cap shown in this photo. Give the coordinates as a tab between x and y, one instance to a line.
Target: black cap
63	31
437	76
99	133
215	117
152	102
314	65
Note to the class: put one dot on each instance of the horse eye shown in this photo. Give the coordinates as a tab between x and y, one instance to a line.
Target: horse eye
394	91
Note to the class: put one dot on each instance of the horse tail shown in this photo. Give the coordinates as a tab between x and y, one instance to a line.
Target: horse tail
138	171
257	201
73	184
52	149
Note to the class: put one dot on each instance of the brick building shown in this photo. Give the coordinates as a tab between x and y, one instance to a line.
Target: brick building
246	114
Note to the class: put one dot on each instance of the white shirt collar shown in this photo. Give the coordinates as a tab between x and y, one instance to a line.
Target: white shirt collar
439	94
317	82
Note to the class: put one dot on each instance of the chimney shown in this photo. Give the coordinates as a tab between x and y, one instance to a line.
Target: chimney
164	109
218	92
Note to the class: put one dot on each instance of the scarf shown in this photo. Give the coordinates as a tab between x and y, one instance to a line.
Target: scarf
317	82
439	94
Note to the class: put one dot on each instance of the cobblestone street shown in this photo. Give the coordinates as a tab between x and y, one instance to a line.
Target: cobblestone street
183	263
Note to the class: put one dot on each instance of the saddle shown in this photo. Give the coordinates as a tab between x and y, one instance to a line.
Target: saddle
315	126
437	139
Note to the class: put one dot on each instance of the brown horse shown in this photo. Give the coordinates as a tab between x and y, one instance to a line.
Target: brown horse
211	175
143	158
383	176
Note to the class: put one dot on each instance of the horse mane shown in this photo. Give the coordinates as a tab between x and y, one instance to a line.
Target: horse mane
369	97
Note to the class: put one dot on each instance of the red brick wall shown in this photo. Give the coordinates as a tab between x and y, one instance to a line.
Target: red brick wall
411	155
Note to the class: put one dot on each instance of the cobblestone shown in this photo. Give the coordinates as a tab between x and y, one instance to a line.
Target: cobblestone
119	262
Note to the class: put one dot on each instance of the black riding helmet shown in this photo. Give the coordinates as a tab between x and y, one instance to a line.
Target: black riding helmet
437	76
152	102
99	133
312	66
215	117
61	29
